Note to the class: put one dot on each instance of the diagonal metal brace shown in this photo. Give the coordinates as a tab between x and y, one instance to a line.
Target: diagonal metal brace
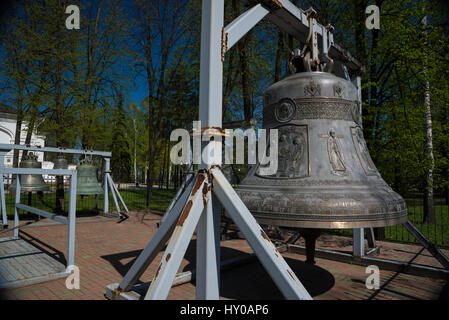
156	244
179	241
427	244
269	256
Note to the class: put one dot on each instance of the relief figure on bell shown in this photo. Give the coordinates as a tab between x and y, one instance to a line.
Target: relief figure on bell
335	153
364	150
298	152
291	153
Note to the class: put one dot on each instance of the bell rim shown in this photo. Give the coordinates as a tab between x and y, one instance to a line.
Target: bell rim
93	191
30	189
369	223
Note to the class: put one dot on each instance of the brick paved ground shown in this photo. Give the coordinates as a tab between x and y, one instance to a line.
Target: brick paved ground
105	250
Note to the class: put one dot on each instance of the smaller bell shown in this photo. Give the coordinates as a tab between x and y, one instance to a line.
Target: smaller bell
87	178
30	182
61	163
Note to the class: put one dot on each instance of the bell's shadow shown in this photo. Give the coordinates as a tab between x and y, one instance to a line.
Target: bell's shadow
246	281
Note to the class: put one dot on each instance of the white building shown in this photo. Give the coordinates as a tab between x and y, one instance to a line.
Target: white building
8	122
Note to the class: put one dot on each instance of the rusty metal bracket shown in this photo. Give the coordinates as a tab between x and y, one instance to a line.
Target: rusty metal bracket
310	13
270	4
273	4
224	43
212	131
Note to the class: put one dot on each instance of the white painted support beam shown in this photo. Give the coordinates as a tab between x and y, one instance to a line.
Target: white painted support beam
426	243
179	193
114	293
371	239
157	242
2	190
119	196
213	48
358	242
8	147
314	26
71	221
42	213
16	210
107	169
211	67
207	258
244	23
324	41
114	197
55	172
269	256
179	241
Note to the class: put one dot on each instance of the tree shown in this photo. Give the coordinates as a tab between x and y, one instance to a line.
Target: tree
121	159
99	73
159	27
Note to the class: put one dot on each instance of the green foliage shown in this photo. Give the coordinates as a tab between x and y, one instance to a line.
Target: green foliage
121	158
134	199
70	78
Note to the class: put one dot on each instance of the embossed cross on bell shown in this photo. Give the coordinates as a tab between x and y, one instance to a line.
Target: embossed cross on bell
326	177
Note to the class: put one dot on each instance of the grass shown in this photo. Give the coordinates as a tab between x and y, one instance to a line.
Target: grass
437	233
134	199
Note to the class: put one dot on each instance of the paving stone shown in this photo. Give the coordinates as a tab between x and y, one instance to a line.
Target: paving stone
105	250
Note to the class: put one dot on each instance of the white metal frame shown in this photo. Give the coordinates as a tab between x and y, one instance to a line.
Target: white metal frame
108	184
199	205
200	202
69	221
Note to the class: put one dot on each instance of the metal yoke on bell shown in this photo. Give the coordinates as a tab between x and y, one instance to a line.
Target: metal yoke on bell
325	176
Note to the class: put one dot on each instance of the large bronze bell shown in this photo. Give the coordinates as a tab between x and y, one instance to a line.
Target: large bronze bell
325	177
30	182
87	178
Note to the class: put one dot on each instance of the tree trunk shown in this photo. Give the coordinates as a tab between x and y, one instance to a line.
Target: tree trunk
135	153
18	131
244	69
279	57
446	193
166	163
167	178
149	188
429	209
